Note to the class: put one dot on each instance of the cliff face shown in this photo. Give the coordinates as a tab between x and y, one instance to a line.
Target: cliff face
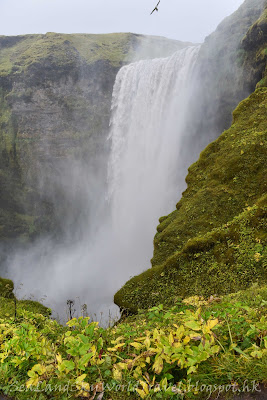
215	240
224	74
55	96
254	45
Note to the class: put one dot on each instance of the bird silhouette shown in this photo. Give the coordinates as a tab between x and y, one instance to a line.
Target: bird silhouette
156	8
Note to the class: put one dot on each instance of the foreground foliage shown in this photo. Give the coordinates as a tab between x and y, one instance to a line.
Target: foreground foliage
160	353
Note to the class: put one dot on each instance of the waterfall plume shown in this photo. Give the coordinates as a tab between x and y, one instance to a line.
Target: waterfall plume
146	168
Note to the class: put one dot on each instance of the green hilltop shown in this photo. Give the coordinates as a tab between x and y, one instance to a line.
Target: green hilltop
18	53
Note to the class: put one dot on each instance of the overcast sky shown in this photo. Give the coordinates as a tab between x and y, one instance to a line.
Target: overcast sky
189	20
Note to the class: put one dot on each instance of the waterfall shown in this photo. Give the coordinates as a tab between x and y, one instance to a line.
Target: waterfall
146	172
145	178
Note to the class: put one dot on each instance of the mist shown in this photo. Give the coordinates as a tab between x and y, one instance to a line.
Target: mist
109	205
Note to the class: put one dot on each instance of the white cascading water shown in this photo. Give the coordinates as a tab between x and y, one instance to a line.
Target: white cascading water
145	178
146	175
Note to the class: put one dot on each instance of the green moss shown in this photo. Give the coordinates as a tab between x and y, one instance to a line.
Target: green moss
66	50
8	300
215	241
7	307
6	288
228	176
225	260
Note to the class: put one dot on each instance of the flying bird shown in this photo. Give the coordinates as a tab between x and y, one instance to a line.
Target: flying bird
156	8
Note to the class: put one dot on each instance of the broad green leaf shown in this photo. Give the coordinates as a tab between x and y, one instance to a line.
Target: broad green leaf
212	323
83	338
32	374
72	322
85	359
32	382
141	393
137	346
158	365
59	358
194	325
80	379
89	330
186	340
117	375
68	365
144	386
84	348
116	347
40	369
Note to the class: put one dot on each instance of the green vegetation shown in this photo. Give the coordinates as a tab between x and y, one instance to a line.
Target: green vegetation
215	242
199	314
183	352
10	306
65	50
6	288
7	307
228	177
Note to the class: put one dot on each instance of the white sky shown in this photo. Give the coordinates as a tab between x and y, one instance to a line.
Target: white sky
189	20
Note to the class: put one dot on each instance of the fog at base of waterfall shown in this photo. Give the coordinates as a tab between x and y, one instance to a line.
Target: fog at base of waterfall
146	175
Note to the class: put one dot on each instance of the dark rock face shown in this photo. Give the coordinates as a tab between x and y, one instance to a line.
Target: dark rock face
254	43
221	73
257	34
55	97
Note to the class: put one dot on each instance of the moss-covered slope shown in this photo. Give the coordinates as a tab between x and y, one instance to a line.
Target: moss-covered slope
9	305
6	288
214	242
229	175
